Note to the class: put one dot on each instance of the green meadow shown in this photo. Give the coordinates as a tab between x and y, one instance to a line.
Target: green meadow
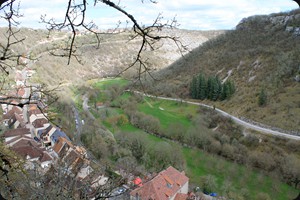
230	176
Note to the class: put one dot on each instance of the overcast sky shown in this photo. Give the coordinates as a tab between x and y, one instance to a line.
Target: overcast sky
190	14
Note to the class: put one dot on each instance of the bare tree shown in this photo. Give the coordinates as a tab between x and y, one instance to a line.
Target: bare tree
8	57
75	18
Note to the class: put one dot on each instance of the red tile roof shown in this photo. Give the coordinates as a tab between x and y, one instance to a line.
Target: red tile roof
45	157
166	184
181	196
73	158
25	141
26	146
20	92
16	132
20	119
31	151
11	113
33	109
60	144
38	123
18	138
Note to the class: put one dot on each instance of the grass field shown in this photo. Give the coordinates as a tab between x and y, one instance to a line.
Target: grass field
240	179
168	112
105	83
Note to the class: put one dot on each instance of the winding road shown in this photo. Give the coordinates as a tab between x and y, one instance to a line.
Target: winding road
235	119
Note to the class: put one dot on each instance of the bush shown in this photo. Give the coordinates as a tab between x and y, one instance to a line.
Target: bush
262	160
176	132
208	184
250	140
263	196
146	122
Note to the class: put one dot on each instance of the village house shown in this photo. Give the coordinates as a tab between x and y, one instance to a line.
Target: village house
36	114
15	133
30	150
62	146
73	157
49	135
38	121
57	135
44	134
84	172
20	78
10	105
13	118
169	184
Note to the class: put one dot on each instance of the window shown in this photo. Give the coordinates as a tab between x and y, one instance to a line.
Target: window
169	185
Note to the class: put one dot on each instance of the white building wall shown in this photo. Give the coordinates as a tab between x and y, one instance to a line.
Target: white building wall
46	164
184	190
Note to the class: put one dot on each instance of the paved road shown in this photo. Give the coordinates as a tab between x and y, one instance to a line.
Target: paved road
237	120
85	106
78	123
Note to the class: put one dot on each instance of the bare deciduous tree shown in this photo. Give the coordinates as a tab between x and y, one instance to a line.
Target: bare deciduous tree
75	18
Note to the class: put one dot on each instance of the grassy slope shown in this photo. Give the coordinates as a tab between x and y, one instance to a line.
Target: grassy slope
259	54
199	163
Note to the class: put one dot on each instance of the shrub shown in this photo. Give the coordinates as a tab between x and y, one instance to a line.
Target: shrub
208	183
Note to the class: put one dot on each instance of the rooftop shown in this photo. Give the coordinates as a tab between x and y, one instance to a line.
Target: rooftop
165	185
16	132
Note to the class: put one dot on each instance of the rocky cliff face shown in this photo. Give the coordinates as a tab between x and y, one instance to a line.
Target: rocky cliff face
290	22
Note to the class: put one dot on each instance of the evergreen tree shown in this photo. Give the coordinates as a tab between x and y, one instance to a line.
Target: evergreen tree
231	88
216	88
202	87
219	87
225	91
228	90
262	98
193	88
209	88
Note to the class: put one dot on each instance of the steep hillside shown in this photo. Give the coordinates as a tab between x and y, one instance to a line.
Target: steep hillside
262	52
116	52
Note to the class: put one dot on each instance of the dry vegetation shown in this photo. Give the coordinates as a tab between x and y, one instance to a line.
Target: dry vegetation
259	53
115	53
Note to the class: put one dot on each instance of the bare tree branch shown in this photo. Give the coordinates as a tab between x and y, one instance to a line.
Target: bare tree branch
75	17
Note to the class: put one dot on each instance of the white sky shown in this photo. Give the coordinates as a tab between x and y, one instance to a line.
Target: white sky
190	14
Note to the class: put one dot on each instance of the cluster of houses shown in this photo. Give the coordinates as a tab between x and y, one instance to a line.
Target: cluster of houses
31	136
